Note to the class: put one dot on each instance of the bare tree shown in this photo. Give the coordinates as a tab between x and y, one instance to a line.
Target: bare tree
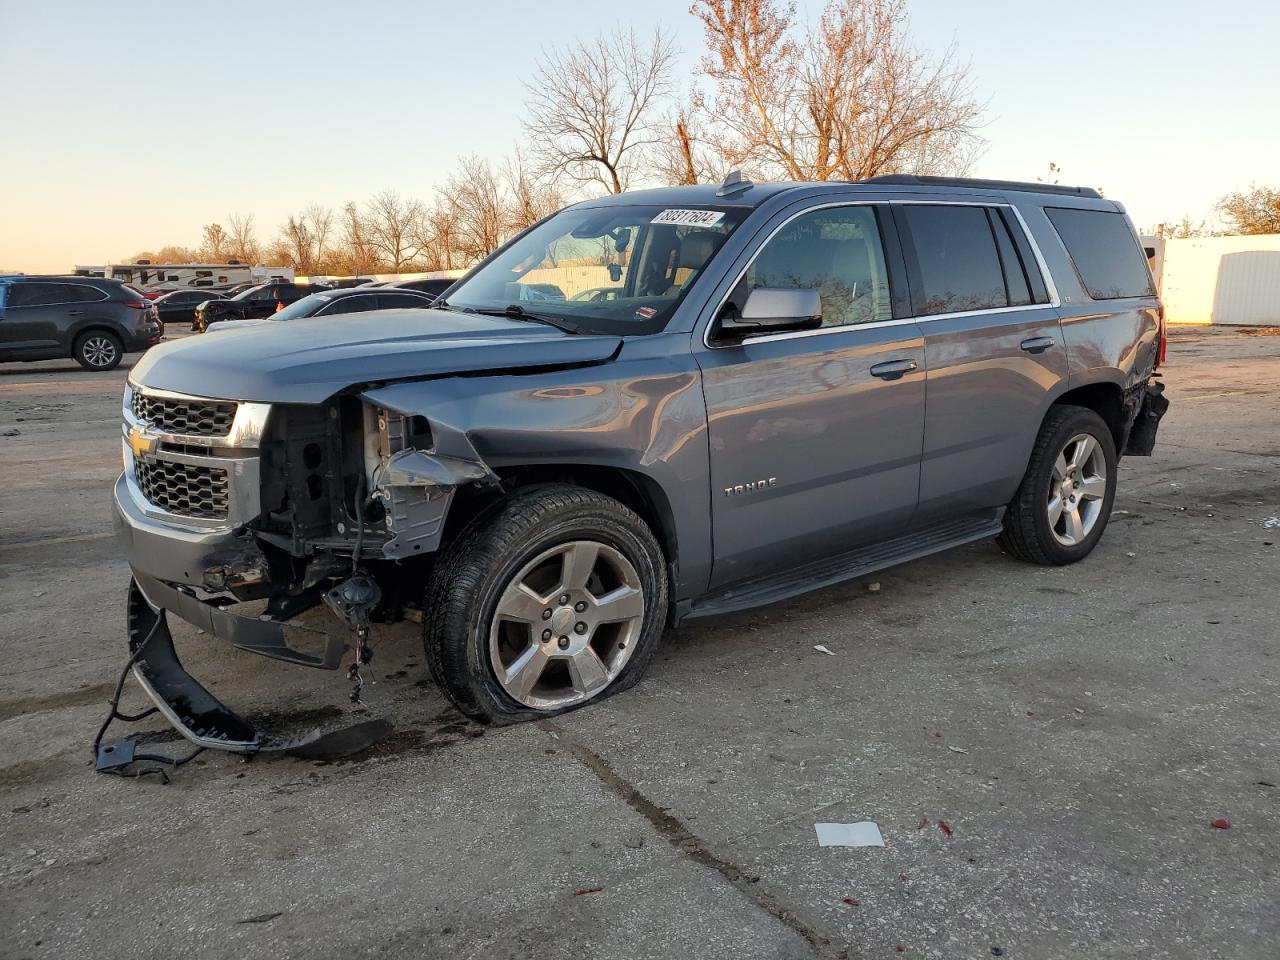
475	198
393	225
213	247
848	99
683	155
319	220
360	255
297	244
528	198
591	106
241	238
1254	211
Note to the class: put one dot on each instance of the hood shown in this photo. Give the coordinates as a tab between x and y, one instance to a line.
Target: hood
309	360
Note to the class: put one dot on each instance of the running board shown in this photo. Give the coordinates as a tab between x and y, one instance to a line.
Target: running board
829	571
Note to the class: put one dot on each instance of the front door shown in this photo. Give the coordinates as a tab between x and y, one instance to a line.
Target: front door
815	435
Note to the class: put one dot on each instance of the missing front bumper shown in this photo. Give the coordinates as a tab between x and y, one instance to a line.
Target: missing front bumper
195	712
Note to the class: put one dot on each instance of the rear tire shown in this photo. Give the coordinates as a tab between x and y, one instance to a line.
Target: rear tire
1062	506
98	350
551	600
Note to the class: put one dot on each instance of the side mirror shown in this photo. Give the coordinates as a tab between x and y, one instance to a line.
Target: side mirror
774	310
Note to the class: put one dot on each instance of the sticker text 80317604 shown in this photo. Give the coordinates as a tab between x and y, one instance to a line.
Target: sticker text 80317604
690	218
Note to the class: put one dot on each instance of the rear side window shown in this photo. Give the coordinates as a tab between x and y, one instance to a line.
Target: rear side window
364	301
35	294
401	300
1105	252
958	266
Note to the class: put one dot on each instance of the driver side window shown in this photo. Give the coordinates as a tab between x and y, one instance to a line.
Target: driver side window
836	251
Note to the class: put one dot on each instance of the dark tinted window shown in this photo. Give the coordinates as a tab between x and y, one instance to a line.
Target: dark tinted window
959	268
836	251
1106	253
1015	275
399	300
364	301
43	294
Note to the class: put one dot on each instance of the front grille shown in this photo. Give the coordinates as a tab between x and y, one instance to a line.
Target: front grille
190	418
182	488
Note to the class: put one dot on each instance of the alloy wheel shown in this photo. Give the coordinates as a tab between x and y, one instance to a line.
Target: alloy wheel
566	624
1077	489
99	351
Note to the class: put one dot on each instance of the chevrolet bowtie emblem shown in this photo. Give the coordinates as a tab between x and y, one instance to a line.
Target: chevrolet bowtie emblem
140	443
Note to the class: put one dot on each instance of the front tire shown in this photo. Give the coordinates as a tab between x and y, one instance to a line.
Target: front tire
98	350
554	599
1062	506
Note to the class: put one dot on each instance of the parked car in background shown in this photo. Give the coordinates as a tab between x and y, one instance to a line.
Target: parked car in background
93	320
434	285
180	305
789	385
329	303
260	301
240	288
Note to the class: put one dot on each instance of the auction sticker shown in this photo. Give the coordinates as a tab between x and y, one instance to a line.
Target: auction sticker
690	218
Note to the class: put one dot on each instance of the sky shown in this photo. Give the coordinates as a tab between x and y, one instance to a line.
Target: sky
128	127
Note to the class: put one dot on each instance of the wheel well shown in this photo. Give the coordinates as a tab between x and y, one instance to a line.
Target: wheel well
633	489
93	327
1104	399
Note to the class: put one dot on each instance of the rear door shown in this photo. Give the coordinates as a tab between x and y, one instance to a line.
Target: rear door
815	435
994	348
31	316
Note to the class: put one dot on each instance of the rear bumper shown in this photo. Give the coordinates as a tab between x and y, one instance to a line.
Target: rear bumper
1142	433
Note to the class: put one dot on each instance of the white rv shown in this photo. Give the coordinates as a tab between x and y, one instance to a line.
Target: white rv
164	277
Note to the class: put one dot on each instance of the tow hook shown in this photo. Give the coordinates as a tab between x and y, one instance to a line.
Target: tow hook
352	601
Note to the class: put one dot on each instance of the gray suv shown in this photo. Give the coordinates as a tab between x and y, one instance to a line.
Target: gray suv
92	320
646	408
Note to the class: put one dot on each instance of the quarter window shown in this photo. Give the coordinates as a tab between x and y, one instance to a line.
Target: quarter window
1105	252
836	251
957	265
349	305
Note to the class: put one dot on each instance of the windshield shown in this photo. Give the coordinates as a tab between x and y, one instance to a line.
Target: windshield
251	293
302	308
613	270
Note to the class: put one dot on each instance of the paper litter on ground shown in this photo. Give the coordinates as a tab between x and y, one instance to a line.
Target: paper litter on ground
864	833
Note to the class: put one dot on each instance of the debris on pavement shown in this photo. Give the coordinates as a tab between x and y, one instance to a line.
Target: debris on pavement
822	649
956	749
851	901
944	827
261	918
1221	824
582	891
873	587
864	833
924	822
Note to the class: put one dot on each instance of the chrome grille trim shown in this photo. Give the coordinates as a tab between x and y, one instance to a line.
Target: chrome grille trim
184	489
182	417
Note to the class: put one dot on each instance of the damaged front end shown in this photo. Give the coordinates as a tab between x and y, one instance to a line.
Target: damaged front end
287	506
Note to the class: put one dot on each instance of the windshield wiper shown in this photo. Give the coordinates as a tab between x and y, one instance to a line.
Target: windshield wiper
517	312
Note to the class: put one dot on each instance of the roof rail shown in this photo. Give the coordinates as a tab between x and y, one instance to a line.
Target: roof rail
911	180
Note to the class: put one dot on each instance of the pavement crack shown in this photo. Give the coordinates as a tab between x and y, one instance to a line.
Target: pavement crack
671	829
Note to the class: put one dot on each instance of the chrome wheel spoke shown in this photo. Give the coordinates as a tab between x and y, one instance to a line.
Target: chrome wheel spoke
525	670
1060	468
1093	488
588	672
521	603
579	563
1055	510
1074	531
1084	450
624	603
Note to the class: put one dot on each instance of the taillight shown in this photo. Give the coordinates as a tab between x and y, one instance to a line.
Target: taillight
1164	336
138	304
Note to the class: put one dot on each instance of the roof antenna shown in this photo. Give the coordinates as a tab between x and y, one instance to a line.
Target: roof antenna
735	182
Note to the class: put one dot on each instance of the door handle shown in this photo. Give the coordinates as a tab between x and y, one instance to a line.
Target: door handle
893	369
1037	344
